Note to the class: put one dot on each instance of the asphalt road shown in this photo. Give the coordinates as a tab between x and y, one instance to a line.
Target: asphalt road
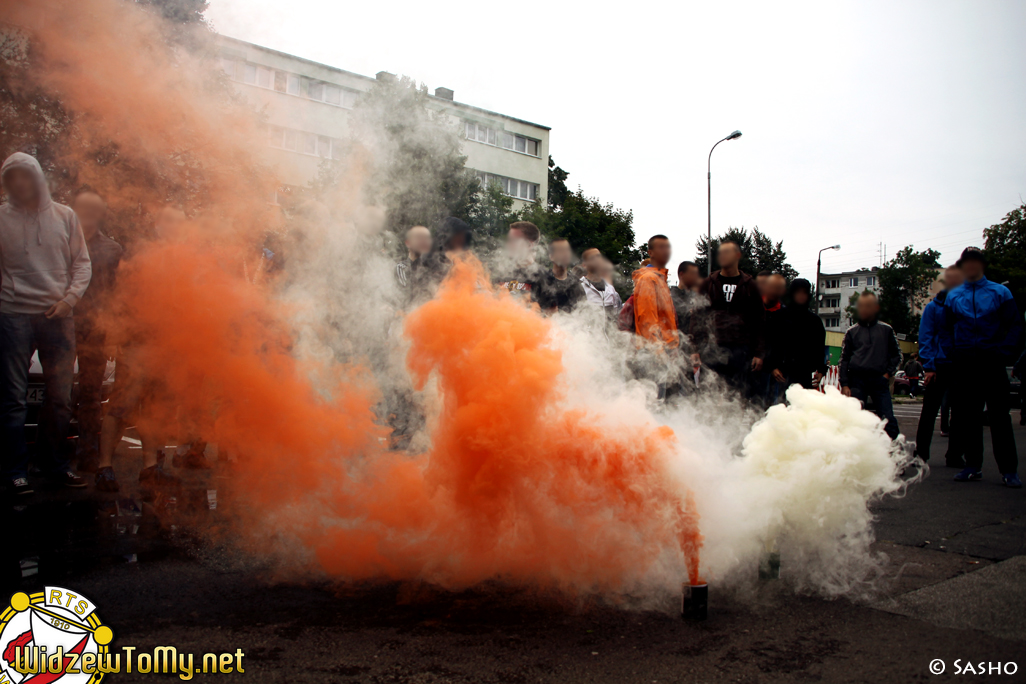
955	592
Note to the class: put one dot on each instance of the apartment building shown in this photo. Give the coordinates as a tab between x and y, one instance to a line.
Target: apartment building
308	104
836	289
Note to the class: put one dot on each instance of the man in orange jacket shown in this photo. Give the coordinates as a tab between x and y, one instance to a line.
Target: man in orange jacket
655	318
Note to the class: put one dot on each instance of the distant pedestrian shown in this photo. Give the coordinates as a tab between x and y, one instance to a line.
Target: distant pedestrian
452	237
44	271
90	335
729	332
769	382
558	289
597	290
935	352
520	274
655	319
869	357
985	326
913	373
685	295
418	244
803	352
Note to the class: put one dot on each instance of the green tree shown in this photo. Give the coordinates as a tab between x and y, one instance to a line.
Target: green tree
905	284
758	252
1005	247
422	176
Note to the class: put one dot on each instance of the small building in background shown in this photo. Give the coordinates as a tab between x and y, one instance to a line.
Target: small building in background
835	291
308	105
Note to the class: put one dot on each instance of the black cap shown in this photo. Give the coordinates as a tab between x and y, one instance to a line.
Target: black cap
801	284
972	253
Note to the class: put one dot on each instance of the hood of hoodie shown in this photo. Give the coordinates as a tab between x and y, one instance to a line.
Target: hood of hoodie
20	160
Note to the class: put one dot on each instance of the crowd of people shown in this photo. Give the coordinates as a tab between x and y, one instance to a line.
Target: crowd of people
752	336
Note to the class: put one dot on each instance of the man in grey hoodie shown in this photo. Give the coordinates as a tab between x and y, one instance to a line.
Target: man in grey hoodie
44	271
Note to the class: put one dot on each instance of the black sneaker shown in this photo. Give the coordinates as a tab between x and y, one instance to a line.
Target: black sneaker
105	480
20	485
68	479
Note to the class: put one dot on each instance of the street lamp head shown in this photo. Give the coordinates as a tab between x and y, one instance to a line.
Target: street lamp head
836	247
735	134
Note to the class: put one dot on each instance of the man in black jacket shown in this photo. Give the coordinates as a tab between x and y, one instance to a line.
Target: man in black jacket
803	355
768	384
869	357
729	333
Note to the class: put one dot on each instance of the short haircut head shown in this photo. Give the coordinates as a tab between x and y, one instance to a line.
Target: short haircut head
684	266
527	229
588	252
553	241
764	274
652	239
868	294
730	242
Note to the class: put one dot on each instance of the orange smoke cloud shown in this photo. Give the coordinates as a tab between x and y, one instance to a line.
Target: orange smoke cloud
518	483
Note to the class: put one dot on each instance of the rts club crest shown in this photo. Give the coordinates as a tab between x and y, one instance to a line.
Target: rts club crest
48	634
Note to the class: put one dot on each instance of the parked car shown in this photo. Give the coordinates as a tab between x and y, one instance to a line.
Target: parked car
902	387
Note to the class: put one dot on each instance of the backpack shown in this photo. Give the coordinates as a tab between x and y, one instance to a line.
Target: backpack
626	320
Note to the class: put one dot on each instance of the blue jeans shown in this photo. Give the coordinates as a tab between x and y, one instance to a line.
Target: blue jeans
20	334
876	388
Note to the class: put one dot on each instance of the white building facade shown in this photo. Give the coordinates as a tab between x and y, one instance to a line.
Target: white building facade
307	105
835	291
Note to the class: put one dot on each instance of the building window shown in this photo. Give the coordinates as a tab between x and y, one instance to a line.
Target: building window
831	284
853	282
510	141
833	322
831	302
870	281
284	82
511	186
307	143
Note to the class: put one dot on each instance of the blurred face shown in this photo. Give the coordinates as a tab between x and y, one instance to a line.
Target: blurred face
776	287
518	245
21	186
593	262
689	278
953	278
760	282
457	243
659	252
972	269
801	297
560	253
90	209
418	240
728	255
606	270
169	221
867	307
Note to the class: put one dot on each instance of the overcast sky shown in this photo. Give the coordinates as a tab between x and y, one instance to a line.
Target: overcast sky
863	122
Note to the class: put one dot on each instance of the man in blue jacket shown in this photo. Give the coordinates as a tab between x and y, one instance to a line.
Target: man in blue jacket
935	353
984	325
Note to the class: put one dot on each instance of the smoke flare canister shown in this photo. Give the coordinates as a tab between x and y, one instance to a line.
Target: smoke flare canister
769	566
695	601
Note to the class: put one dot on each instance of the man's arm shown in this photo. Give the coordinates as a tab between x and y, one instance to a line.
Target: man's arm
928	343
756	323
81	267
1011	326
893	354
846	351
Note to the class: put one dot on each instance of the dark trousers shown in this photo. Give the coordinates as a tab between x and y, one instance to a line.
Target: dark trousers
92	367
913	387
875	388
934	401
733	364
977	383
55	340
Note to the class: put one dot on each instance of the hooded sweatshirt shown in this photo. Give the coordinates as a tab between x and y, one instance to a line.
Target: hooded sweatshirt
655	318
43	254
735	316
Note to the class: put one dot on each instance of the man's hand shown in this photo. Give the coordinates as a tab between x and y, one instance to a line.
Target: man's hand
778	376
929	377
816	377
59	310
756	363
846	391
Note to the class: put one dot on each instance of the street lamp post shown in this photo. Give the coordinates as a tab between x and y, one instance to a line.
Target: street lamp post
819	263
708	248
